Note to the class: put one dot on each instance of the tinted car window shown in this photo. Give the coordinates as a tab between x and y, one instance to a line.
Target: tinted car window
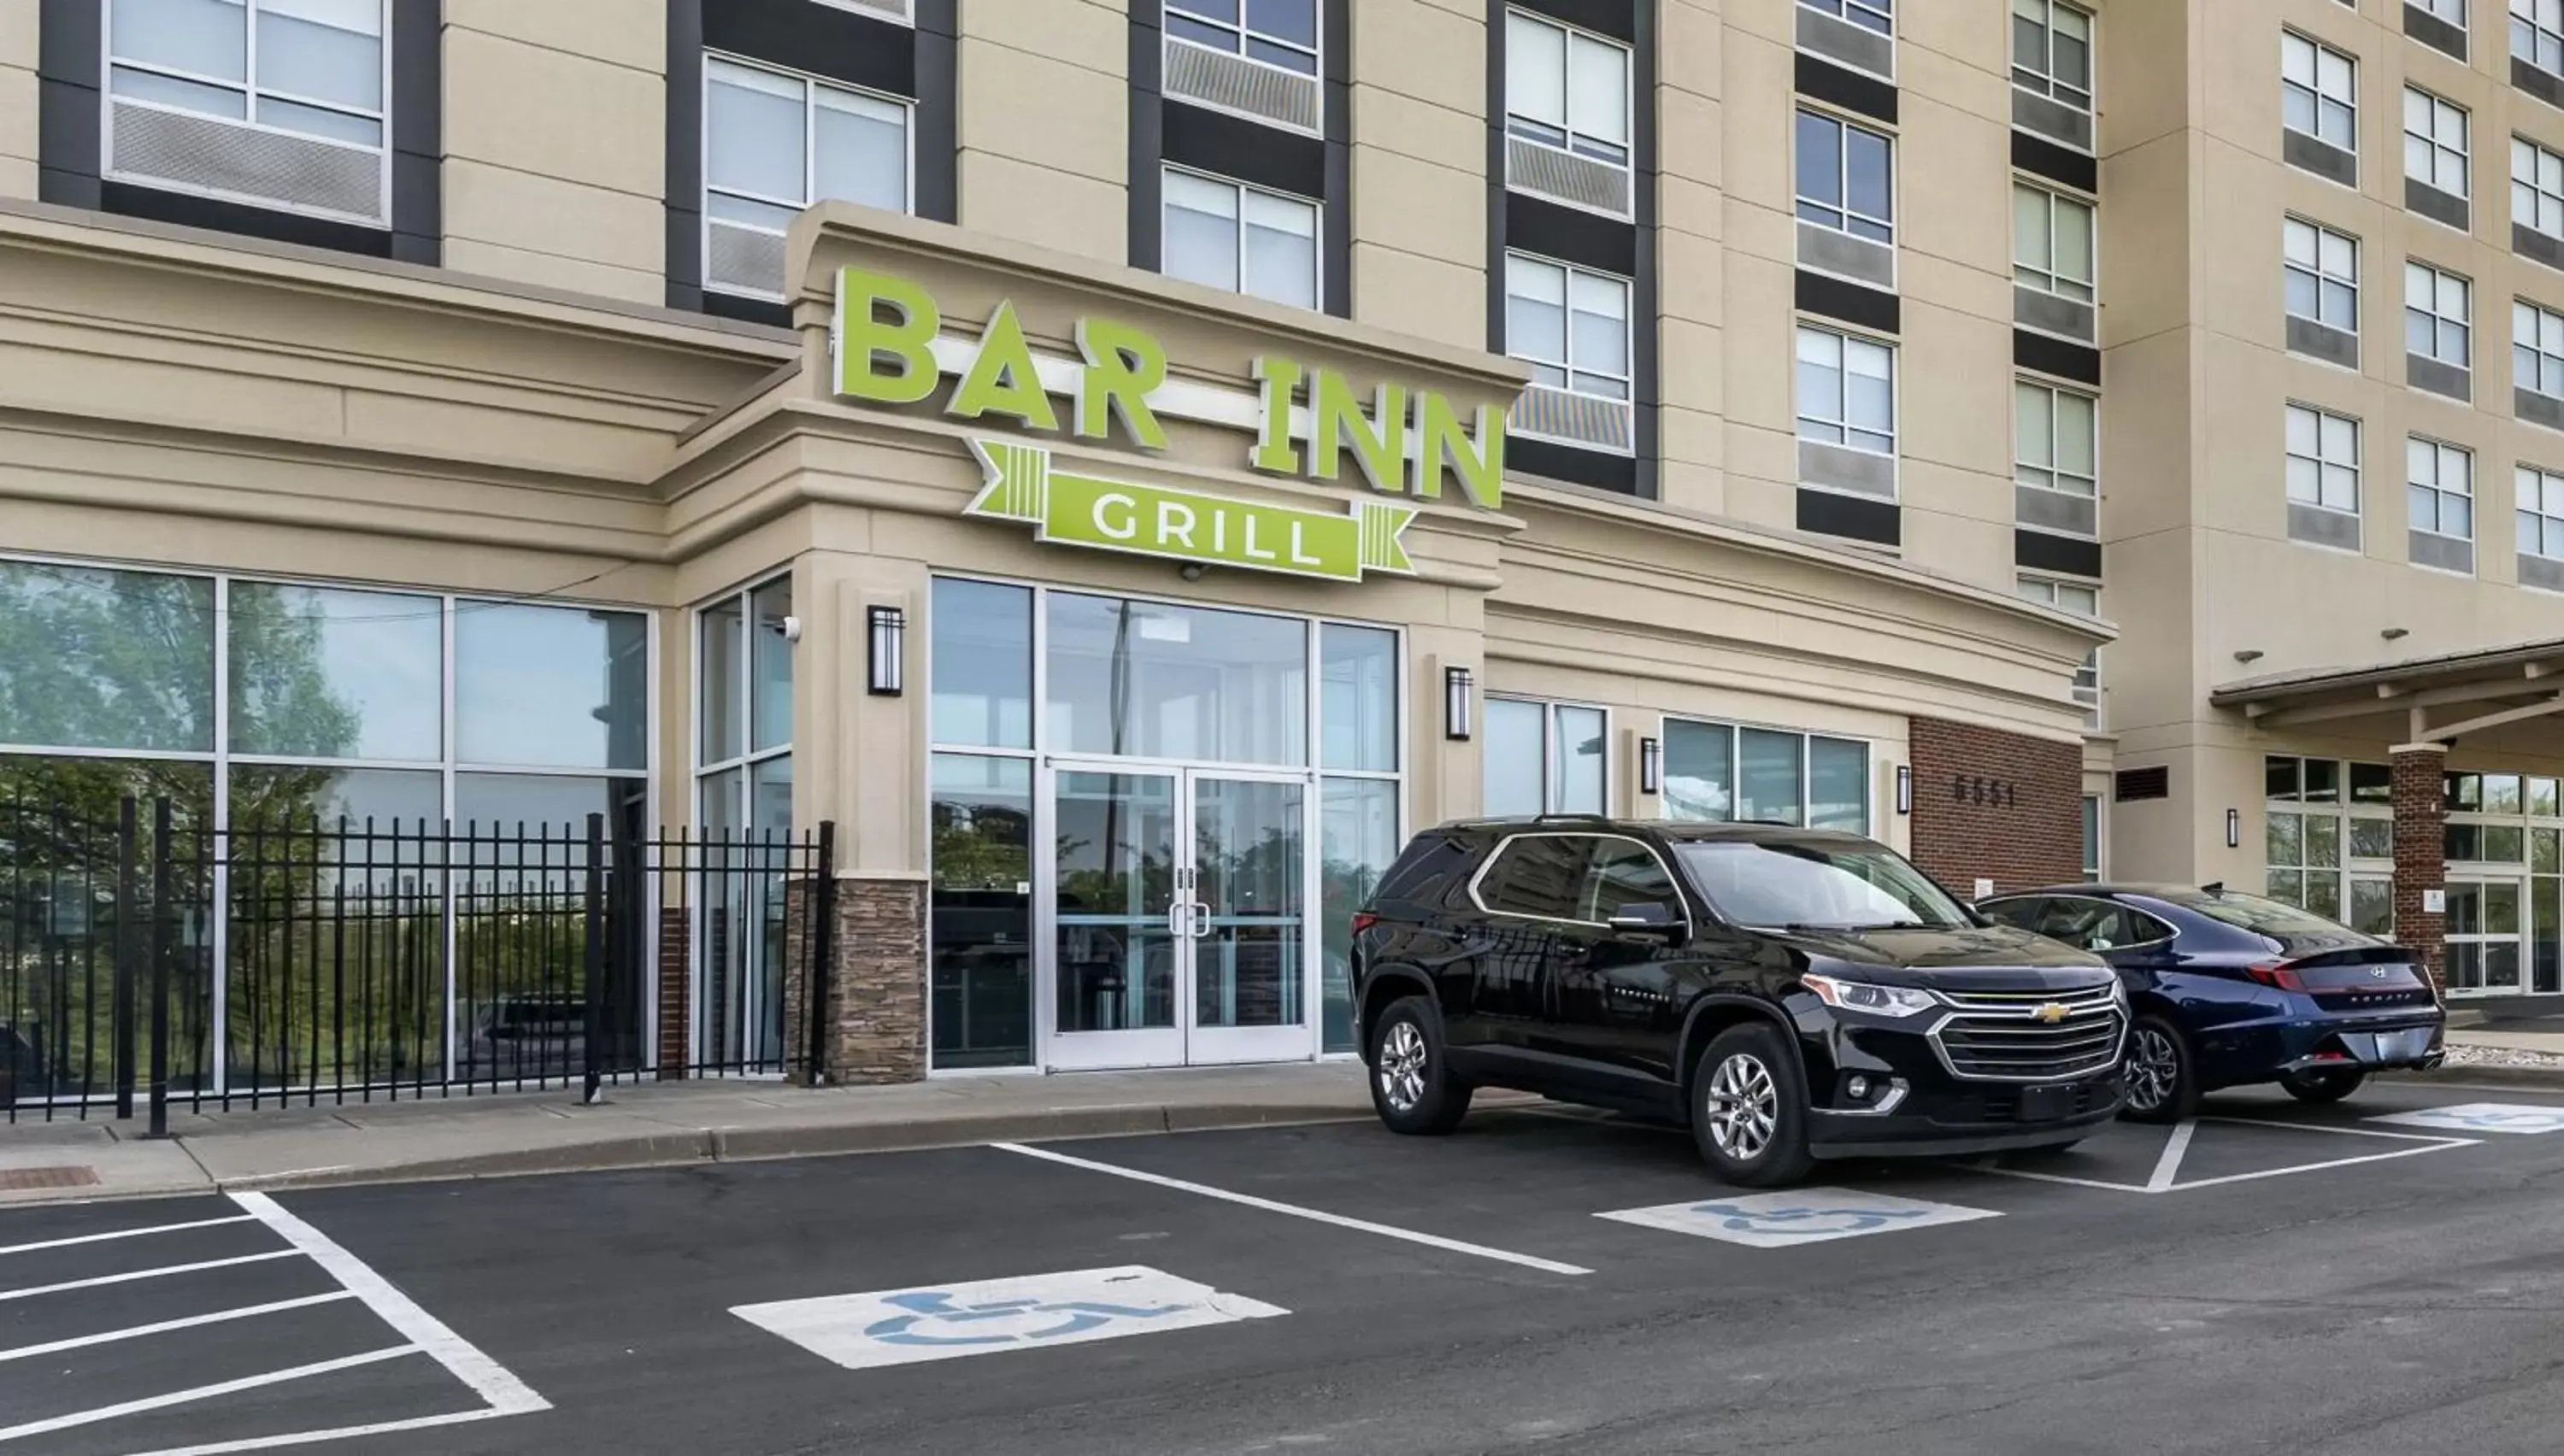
1424	873
2085	924
1540	874
2020	914
1624	873
1835	887
2252	912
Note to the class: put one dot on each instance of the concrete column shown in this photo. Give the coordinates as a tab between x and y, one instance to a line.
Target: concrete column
2420	817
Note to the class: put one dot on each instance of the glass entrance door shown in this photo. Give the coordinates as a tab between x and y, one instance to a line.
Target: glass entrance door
1178	902
2483	936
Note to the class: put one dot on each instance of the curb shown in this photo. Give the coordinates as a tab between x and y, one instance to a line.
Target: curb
2547	1079
708	1146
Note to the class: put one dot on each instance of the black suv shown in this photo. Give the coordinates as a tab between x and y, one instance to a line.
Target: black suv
1789	993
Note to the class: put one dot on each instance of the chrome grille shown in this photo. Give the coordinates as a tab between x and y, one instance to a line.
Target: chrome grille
1994	1036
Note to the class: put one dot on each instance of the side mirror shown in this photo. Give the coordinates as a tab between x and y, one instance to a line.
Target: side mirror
1648	919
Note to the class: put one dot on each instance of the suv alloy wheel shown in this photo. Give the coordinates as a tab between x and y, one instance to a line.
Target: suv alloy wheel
1412	1087
1749	1112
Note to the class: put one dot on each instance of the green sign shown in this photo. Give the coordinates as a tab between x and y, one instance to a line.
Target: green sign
1188	525
1307	422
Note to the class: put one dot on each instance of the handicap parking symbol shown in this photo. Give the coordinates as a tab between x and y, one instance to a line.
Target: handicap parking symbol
896	1327
2483	1117
1807	1216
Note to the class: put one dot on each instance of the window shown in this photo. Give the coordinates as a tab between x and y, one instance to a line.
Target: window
2327	851
2323	460
1855	888
2051	51
1625	873
2452	10
2540	498
1544	758
1240	239
2322	272
2440	482
1537	877
2536	187
2537	34
1566	89
2084	600
1844	178
775	144
2051	242
2093	838
1876	14
1847	391
1281	33
2435	142
2437	307
2318	92
1569	325
1719	772
2055	437
2537	350
311	74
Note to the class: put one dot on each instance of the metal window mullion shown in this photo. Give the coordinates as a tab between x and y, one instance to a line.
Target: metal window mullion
195	77
218	837
446	894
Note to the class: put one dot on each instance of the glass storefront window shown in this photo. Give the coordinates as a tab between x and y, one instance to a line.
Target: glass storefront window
2372	907
2542	798
1578	764
2323	781
2372	783
277	795
101	658
1514	750
550	687
770	667
1357	841
319	672
1700	770
2372	839
981	907
983	664
1839	785
1770	775
1152	681
2091	837
1358	699
722	632
2501	793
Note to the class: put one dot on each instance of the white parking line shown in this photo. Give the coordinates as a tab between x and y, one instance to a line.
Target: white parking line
2168	1166
165	1326
125	1233
488	1379
201	1393
1314	1215
163	1272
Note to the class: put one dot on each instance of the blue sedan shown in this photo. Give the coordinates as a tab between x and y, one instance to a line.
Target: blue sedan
2231	989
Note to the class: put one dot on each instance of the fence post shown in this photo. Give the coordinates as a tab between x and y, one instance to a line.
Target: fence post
596	992
160	906
125	871
819	965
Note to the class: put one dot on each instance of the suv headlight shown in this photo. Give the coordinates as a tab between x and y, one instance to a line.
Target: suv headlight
1879	1000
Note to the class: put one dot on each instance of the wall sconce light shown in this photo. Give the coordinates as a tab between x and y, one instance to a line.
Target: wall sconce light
2233	829
1456	688
1905	788
887	650
1652	766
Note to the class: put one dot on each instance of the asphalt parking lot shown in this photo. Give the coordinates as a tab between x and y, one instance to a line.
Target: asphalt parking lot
2375	1278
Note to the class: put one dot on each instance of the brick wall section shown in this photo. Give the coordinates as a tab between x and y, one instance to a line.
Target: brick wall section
876	998
2420	841
1996	805
675	1024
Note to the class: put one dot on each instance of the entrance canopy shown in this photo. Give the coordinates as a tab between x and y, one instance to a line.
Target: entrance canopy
2441	697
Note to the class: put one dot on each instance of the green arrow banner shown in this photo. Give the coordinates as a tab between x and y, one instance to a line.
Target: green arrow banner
1188	525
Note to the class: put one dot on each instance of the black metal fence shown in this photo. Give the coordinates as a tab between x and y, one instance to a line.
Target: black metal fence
149	962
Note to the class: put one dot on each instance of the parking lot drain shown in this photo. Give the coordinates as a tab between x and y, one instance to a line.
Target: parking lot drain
61	1175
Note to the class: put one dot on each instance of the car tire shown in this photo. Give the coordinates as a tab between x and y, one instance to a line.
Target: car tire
1748	1108
1411	1086
2319	1089
2161	1075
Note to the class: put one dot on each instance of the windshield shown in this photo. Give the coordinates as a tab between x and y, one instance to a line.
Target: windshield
1817	887
2252	912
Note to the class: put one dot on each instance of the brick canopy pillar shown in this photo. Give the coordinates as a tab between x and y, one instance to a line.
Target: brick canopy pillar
2421	844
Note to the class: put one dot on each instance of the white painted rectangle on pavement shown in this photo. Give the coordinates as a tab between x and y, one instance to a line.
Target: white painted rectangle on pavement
898	1327
1800	1217
2483	1117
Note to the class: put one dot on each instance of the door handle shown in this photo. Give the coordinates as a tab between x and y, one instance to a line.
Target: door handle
1201	920
1178	920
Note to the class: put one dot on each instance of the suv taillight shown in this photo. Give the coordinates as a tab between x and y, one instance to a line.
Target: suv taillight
2278	973
1362	921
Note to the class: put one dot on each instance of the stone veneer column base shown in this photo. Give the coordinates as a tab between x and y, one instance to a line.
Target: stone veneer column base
876	997
2421	848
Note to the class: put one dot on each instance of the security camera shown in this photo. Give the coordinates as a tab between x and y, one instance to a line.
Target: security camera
791	629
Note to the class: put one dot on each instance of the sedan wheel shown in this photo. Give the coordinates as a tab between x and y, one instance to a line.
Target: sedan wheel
2162	1084
1743	1106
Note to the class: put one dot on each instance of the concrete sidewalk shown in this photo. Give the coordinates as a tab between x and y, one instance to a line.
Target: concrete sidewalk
645	1126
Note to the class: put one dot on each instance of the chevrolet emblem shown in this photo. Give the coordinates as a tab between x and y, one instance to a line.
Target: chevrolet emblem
2051	1013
